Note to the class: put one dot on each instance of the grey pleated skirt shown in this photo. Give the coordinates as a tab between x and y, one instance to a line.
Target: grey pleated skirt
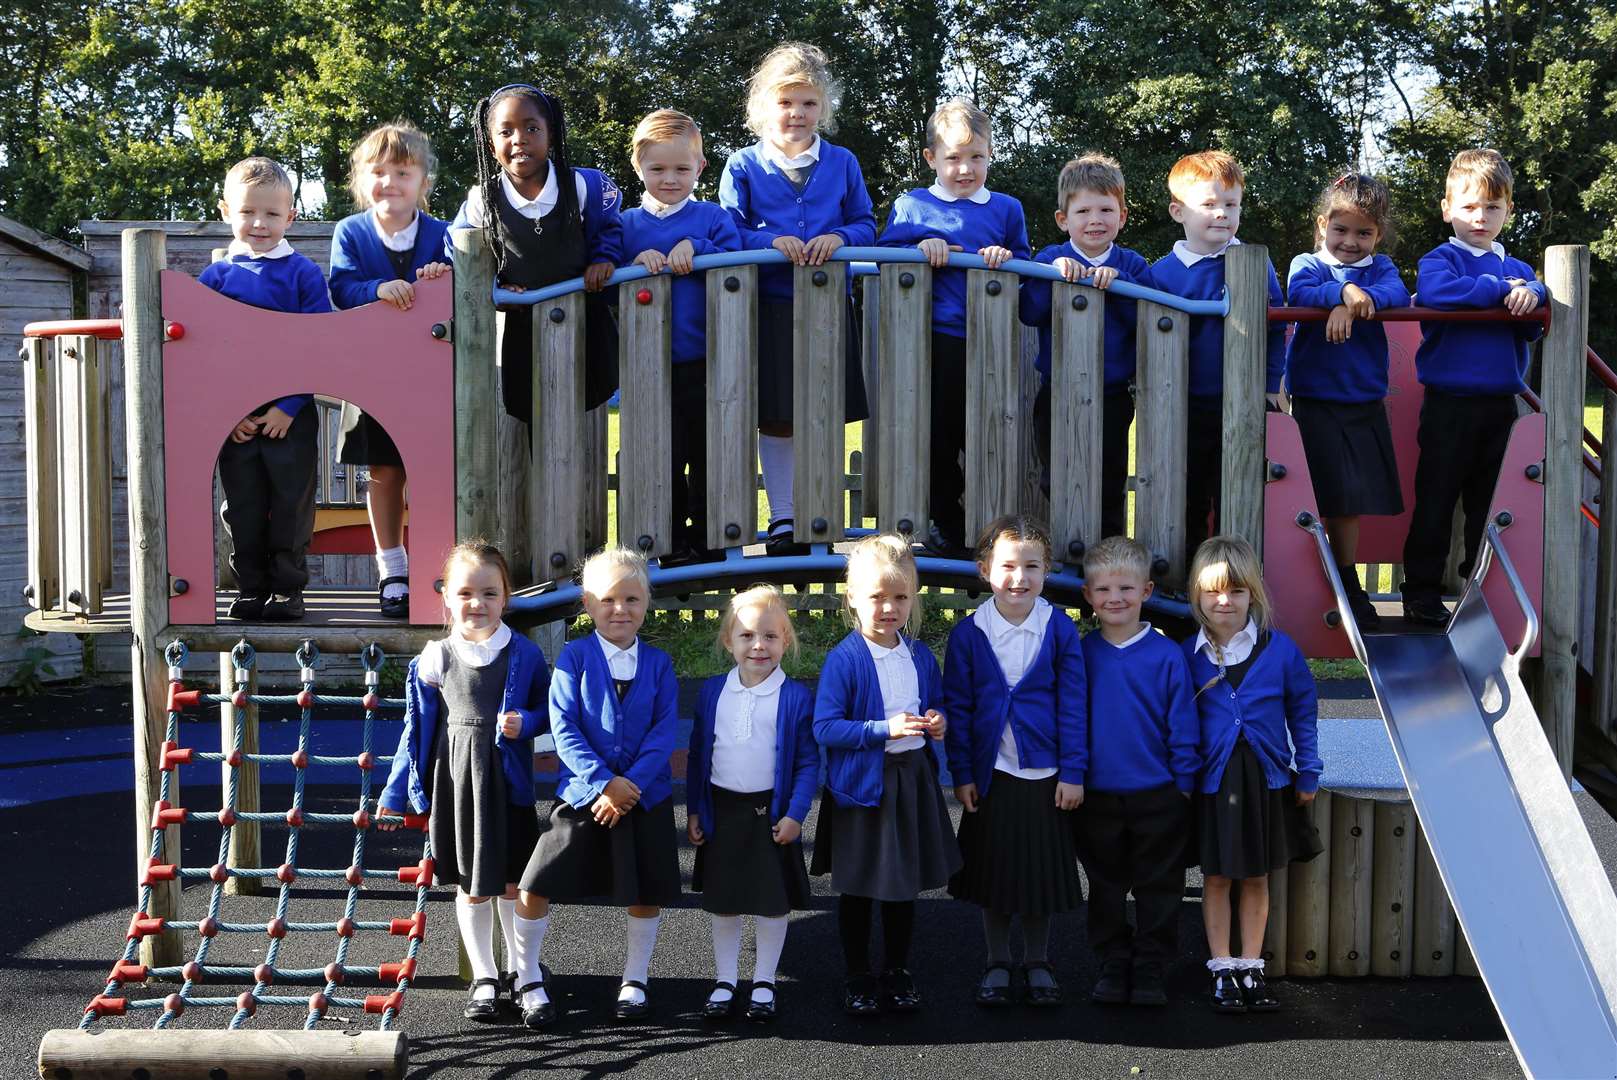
894	851
480	839
1018	850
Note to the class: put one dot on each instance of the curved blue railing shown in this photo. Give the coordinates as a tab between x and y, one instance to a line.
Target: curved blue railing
867	255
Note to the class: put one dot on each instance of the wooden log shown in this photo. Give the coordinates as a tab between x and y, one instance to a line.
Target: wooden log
1434	916
871	431
39	425
1161	431
201	1054
645	421
245	836
596	480
1353	831
905	398
1308	902
1605	658
1392	899
994	418
732	406
557	485
1077	397
1275	938
819	399
477	396
1246	351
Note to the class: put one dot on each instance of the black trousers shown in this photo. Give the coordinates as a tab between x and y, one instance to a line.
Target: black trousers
1462	444
269	505
1117	414
948	483
1204	470
1134	842
688	493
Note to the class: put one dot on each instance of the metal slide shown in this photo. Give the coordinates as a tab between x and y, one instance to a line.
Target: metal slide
1512	849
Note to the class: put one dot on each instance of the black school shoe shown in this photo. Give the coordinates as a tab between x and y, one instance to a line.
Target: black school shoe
1426	611
1227	996
763	1012
780	541
248	607
898	991
1359	602
1041	997
485	1010
540	1015
717	1011
393	607
1146	984
633	1010
1254	988
284	607
995	997
861	995
1112	987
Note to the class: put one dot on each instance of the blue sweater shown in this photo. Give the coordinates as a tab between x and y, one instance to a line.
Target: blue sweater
797	758
765	206
598	737
1472	358
1048	709
851	723
1355	370
599	211
526	679
1120	312
1205	281
292	284
360	263
1276	698
1142	716
710	231
920	215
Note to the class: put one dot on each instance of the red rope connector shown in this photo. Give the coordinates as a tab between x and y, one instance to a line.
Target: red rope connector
144	925
294	816
174	1004
367	760
276	928
419	875
404	969
238	700
125	972
415	927
247	1003
286	873
335	973
156	871
164	815
378	1003
103	1005
346	927
362	819
416	821
174	754
180	699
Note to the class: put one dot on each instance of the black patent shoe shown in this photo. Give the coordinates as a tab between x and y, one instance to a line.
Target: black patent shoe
1041	997
633	1010
1255	989
763	1012
1112	988
393	607
781	540
1227	996
248	607
861	996
1426	611
1146	985
540	1015
995	996
715	1011
483	1010
898	991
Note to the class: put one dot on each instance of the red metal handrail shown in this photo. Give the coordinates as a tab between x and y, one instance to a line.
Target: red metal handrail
105	329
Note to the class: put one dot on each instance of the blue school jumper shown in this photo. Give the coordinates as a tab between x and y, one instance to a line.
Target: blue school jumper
765	206
292	283
527	680
1356	370
599	737
797	758
711	230
1142	719
360	263
1048	709
1120	312
1473	358
598	211
1276	699
922	214
850	720
1204	280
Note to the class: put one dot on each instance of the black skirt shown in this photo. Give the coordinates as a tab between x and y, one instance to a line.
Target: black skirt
1350	456
1248	829
635	862
1018	851
894	851
740	870
363	441
775	364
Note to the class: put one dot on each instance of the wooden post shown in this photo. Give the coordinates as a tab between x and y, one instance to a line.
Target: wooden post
732	407
994	418
1434	917
1077	397
819	399
558	483
1392	899
596	478
113	1054
85	494
1308	899
1566	274
44	478
477	396
1274	935
1246	355
645	428
1605	658
872	433
1161	434
245	847
905	393
1353	833
143	260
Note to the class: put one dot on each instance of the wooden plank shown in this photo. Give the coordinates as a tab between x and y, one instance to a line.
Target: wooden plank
596	481
39	402
994	416
1353	832
904	395
73	502
477	398
1161	428
732	406
1274	935
248	1054
819	399
1246	352
1605	658
645	415
1434	917
1077	395
558	487
60	251
1308	902
871	431
1392	919
99	455
245	836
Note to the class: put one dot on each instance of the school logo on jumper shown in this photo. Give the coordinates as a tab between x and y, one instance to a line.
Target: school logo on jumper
610	195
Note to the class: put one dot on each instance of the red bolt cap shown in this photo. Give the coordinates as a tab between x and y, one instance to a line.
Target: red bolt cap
173	331
643	296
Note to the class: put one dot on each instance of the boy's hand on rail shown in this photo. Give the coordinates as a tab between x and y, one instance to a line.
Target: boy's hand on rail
1339	324
820	248
994	255
401	294
652	259
1521	300
1357	301
936	249
1071	269
1102	276
789	246
382	816
274	423
245	430
595	275
680	256
432	270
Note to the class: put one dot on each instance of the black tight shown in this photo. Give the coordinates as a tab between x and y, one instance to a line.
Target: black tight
855	915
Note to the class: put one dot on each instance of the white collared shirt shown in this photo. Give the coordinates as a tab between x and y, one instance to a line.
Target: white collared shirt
1331	260
622	663
744	735
1096	260
533	209
1236	650
1494	248
772	155
1015	647
980	196
434	659
239	247
900	691
403	240
656	209
1181	249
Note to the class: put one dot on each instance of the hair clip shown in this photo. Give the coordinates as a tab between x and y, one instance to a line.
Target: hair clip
515	86
1342	181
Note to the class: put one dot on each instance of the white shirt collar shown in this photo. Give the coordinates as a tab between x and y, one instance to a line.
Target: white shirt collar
622	663
772	154
998	628
1098	259
545	200
660	210
1495	248
1331	260
481	653
1191	258
980	196
279	251
880	653
1237	649
403	240
769	686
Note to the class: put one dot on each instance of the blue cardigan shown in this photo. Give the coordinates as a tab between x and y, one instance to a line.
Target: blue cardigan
1354	371
1473	358
1120	311
1276	699
293	284
1048	710
711	231
1205	281
851	722
797	758
360	263
1142	719
598	737
526	680
920	215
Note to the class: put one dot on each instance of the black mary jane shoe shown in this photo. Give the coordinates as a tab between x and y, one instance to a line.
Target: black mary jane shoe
861	996
633	1010
995	997
540	1015
393	607
781	539
1041	997
762	1012
1227	996
483	1010
719	1011
898	991
1255	989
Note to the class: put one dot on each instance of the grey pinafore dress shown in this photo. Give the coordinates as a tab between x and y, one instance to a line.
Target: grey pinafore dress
470	824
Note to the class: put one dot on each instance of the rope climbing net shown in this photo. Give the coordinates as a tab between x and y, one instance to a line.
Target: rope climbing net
128	973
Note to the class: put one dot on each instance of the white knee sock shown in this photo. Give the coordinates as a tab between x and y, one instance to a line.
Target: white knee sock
726	953
507	911
775	455
641	939
476	923
393	562
771	940
529	935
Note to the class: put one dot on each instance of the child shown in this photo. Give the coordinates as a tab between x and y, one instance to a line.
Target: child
753	767
1133	830
614	714
804	197
267	467
548	221
883	830
958	213
1018	746
1254	692
1472	373
667	230
1337	373
1205	192
473	704
376	254
1092	209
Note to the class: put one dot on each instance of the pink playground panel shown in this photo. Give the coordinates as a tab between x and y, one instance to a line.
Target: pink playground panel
233	357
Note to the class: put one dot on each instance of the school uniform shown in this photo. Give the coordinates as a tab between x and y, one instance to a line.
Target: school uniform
753	761
883	830
984	219
364	257
1133	830
1117	412
1338	390
1472	373
1016	699
770	195
1257	714
613	712
481	806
